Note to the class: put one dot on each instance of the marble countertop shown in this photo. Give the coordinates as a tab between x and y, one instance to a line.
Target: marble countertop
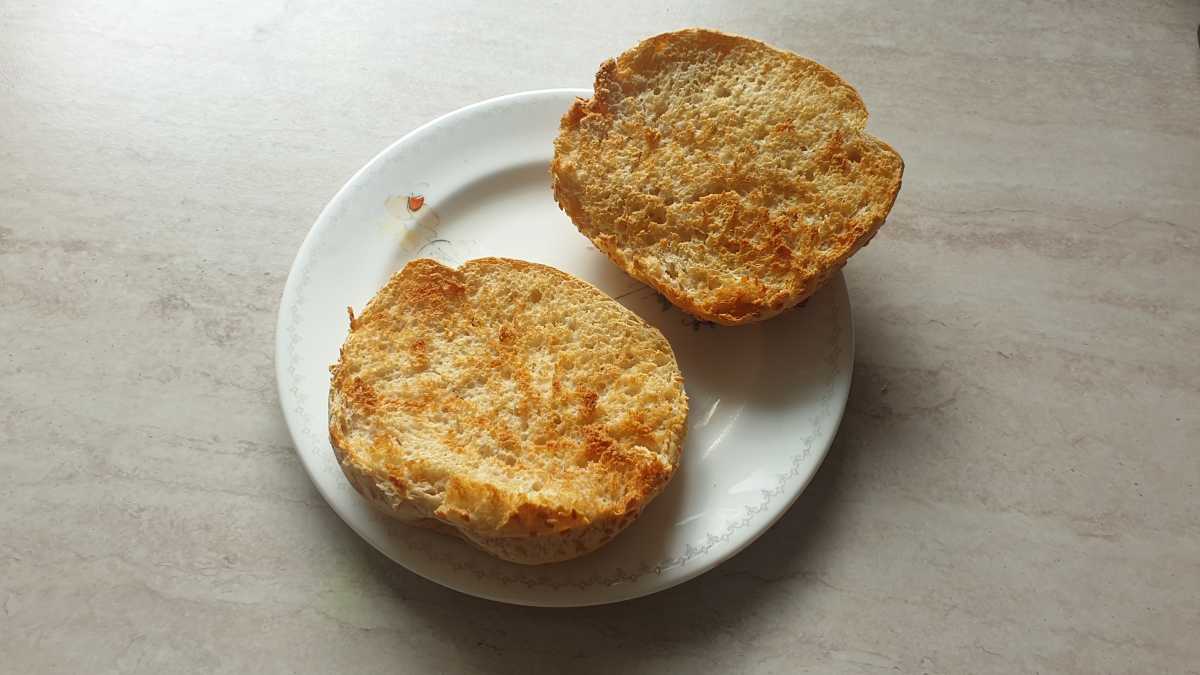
1015	487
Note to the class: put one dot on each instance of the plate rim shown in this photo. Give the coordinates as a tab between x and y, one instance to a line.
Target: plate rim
301	263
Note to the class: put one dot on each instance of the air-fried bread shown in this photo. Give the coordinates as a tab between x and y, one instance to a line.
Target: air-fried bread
731	176
508	403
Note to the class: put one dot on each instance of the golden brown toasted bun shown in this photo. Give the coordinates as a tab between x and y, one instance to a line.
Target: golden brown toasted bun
731	176
508	403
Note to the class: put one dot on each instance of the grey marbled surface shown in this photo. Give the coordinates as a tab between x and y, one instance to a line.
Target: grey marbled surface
1016	485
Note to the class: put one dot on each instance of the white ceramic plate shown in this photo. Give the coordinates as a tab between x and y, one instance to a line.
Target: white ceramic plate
766	399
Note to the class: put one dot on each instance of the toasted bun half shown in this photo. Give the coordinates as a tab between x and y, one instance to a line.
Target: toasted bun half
507	403
731	176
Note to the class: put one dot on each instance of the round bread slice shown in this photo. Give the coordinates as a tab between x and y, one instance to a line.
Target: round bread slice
508	403
731	176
